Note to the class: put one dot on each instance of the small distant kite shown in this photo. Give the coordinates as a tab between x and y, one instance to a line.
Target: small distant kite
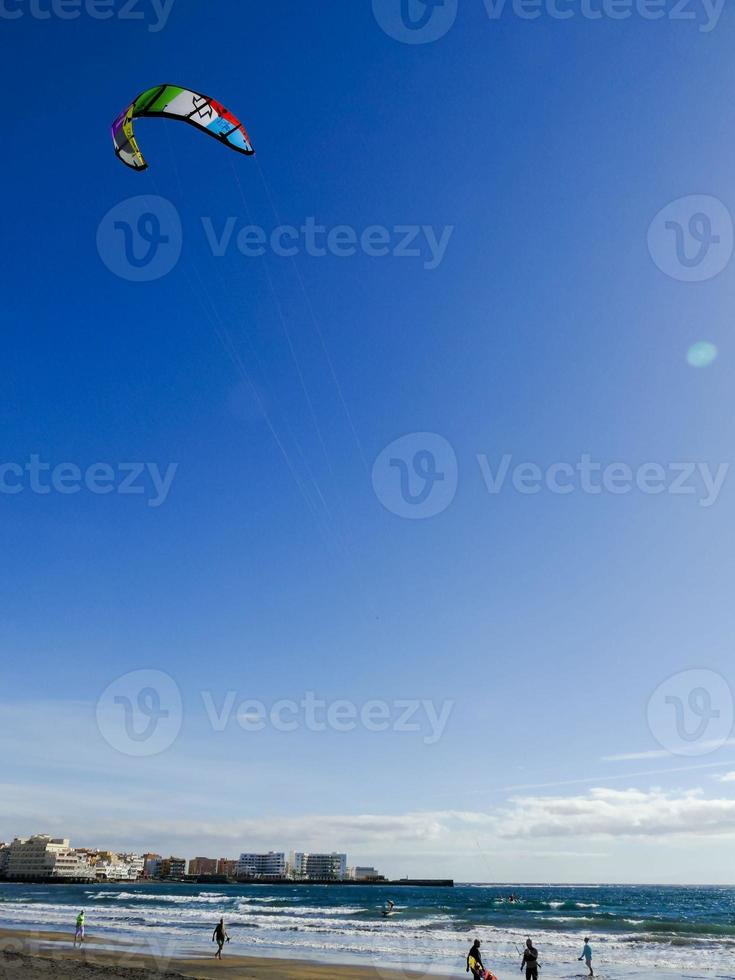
173	102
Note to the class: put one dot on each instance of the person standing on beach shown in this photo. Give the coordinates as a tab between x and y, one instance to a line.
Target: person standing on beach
79	934
220	937
587	955
529	963
474	960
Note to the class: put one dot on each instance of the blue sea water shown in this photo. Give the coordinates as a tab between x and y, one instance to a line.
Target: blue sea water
635	931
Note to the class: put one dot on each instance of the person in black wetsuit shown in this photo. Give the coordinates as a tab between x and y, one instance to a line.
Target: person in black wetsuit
477	956
529	963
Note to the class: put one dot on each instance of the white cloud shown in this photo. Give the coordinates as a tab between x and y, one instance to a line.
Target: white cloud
699	749
728	777
601	813
618	777
619	813
409	832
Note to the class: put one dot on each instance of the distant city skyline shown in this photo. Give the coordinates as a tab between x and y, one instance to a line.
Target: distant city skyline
40	856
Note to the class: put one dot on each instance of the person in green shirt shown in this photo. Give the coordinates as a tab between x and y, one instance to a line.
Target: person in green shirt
79	934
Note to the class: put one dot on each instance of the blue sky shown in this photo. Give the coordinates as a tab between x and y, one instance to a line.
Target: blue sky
543	150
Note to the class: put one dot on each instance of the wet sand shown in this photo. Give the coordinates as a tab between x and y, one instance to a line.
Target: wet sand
50	956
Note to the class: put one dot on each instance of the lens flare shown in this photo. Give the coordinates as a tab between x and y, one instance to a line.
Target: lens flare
702	354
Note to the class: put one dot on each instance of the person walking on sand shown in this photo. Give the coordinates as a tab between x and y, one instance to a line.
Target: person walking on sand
79	934
587	955
475	965
529	963
220	937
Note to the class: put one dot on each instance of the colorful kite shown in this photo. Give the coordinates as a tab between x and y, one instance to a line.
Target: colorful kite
172	102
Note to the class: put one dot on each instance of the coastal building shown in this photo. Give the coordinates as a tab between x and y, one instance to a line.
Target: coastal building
118	867
227	867
41	856
152	865
270	865
172	867
310	866
203	866
134	863
363	873
4	858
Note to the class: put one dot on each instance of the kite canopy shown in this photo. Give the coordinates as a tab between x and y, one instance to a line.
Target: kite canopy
173	102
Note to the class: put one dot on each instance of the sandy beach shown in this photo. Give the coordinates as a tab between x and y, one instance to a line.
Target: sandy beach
37	955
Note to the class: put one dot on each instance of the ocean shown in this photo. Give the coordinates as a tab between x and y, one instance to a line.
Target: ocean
635	931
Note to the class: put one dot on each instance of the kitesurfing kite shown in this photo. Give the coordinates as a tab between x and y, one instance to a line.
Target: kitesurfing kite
173	102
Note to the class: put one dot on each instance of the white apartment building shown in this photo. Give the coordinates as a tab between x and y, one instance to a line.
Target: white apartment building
270	865
45	857
119	867
4	858
134	863
311	866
